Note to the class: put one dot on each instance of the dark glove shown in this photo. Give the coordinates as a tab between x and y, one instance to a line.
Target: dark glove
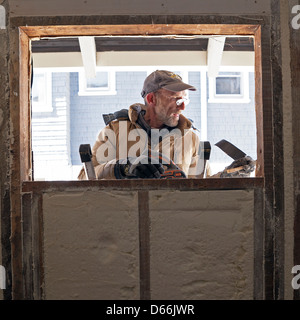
141	167
171	170
239	168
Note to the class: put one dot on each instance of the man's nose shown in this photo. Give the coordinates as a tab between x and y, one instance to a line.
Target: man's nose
181	103
181	106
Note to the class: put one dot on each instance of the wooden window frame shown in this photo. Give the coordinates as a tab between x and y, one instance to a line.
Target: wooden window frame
32	32
27	195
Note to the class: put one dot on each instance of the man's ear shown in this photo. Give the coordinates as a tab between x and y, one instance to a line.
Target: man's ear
151	99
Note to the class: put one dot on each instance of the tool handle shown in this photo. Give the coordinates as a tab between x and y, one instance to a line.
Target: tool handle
86	159
236	169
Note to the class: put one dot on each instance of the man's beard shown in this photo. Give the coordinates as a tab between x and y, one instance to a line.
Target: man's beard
168	120
171	122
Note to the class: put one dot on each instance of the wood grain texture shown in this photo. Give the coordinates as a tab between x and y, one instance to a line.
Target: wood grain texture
139	29
144	241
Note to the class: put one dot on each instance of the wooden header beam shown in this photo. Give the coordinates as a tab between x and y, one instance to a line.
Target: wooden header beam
139	30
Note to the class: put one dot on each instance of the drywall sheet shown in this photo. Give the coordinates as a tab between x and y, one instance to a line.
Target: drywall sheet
201	244
91	245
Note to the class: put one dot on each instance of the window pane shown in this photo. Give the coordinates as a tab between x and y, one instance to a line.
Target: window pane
100	81
228	85
38	89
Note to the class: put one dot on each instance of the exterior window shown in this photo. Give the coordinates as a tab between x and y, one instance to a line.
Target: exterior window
42	91
229	87
103	84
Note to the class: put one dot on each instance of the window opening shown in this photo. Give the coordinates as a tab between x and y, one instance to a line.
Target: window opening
193	72
56	159
103	84
230	87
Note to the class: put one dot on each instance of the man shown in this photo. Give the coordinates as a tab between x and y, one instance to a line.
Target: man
148	139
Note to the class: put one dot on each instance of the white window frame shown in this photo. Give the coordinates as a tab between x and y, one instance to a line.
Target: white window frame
46	105
109	90
243	97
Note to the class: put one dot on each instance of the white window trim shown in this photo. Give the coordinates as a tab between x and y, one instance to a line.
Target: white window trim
230	98
47	106
84	91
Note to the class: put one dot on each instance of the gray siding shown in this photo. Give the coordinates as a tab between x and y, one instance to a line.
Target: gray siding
87	111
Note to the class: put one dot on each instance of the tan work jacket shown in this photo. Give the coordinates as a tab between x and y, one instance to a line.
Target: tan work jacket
130	136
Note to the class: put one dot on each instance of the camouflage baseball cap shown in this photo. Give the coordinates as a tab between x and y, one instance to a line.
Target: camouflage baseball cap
166	80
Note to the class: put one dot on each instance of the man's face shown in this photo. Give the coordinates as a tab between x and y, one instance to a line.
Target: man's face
167	110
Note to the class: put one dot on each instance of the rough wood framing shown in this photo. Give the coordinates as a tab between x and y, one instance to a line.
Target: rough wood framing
144	242
32	245
22	169
295	87
267	123
278	171
140	29
15	192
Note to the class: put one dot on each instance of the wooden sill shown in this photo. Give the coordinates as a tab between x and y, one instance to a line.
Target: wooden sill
144	184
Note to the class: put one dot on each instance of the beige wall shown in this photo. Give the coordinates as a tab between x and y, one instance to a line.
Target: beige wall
201	245
91	245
